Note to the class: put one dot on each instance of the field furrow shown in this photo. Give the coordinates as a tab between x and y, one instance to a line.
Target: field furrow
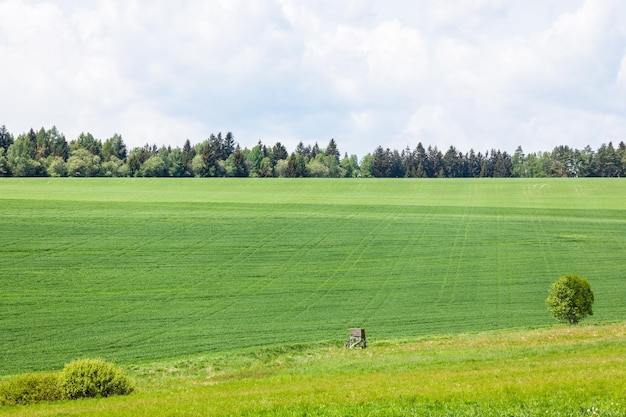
139	270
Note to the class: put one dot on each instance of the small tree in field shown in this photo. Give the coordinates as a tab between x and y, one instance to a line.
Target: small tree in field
570	299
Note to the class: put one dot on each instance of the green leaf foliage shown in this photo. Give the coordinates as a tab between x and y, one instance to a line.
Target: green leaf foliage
30	389
570	299
90	378
87	378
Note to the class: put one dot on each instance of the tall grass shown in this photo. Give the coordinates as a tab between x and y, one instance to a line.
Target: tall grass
557	371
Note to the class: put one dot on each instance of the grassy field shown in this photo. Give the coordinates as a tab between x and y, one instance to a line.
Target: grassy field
559	371
141	270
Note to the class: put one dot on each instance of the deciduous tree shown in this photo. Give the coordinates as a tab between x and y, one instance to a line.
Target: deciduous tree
57	167
88	142
154	167
21	157
83	163
570	299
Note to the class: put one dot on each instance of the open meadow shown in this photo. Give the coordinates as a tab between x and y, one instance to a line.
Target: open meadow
557	371
232	297
139	270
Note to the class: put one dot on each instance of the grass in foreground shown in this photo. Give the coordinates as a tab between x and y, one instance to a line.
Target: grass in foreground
559	371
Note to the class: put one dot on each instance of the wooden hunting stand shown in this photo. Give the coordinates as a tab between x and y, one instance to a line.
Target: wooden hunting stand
357	339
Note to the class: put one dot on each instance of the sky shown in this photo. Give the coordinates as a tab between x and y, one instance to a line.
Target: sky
474	74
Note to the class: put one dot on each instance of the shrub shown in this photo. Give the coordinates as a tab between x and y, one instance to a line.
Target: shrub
570	299
89	378
30	389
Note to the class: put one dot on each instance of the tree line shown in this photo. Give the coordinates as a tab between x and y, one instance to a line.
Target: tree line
48	153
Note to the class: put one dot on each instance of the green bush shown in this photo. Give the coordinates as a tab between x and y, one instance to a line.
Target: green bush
570	299
89	378
79	379
30	389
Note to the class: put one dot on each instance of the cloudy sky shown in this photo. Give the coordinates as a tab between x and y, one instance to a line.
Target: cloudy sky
475	74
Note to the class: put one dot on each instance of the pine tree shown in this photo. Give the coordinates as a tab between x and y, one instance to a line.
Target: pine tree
6	139
332	150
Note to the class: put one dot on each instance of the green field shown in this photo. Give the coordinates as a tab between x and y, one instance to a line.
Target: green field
141	270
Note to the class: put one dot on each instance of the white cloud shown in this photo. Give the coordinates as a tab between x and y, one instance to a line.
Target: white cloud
397	56
621	73
469	73
63	69
473	14
369	65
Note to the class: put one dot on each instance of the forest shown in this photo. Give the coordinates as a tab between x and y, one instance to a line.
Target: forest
47	153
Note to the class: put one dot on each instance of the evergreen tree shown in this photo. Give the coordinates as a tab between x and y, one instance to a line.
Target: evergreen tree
314	151
301	150
6	139
435	163
4	164
380	163
211	152
239	164
332	150
621	159
42	144
584	161
32	137
606	163
296	166
420	161
409	165
229	144
220	149
279	152
501	164
188	154
292	166
450	163
114	147
395	164
58	144
518	164
562	162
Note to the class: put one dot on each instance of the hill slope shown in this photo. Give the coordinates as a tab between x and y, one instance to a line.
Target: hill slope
574	371
137	270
